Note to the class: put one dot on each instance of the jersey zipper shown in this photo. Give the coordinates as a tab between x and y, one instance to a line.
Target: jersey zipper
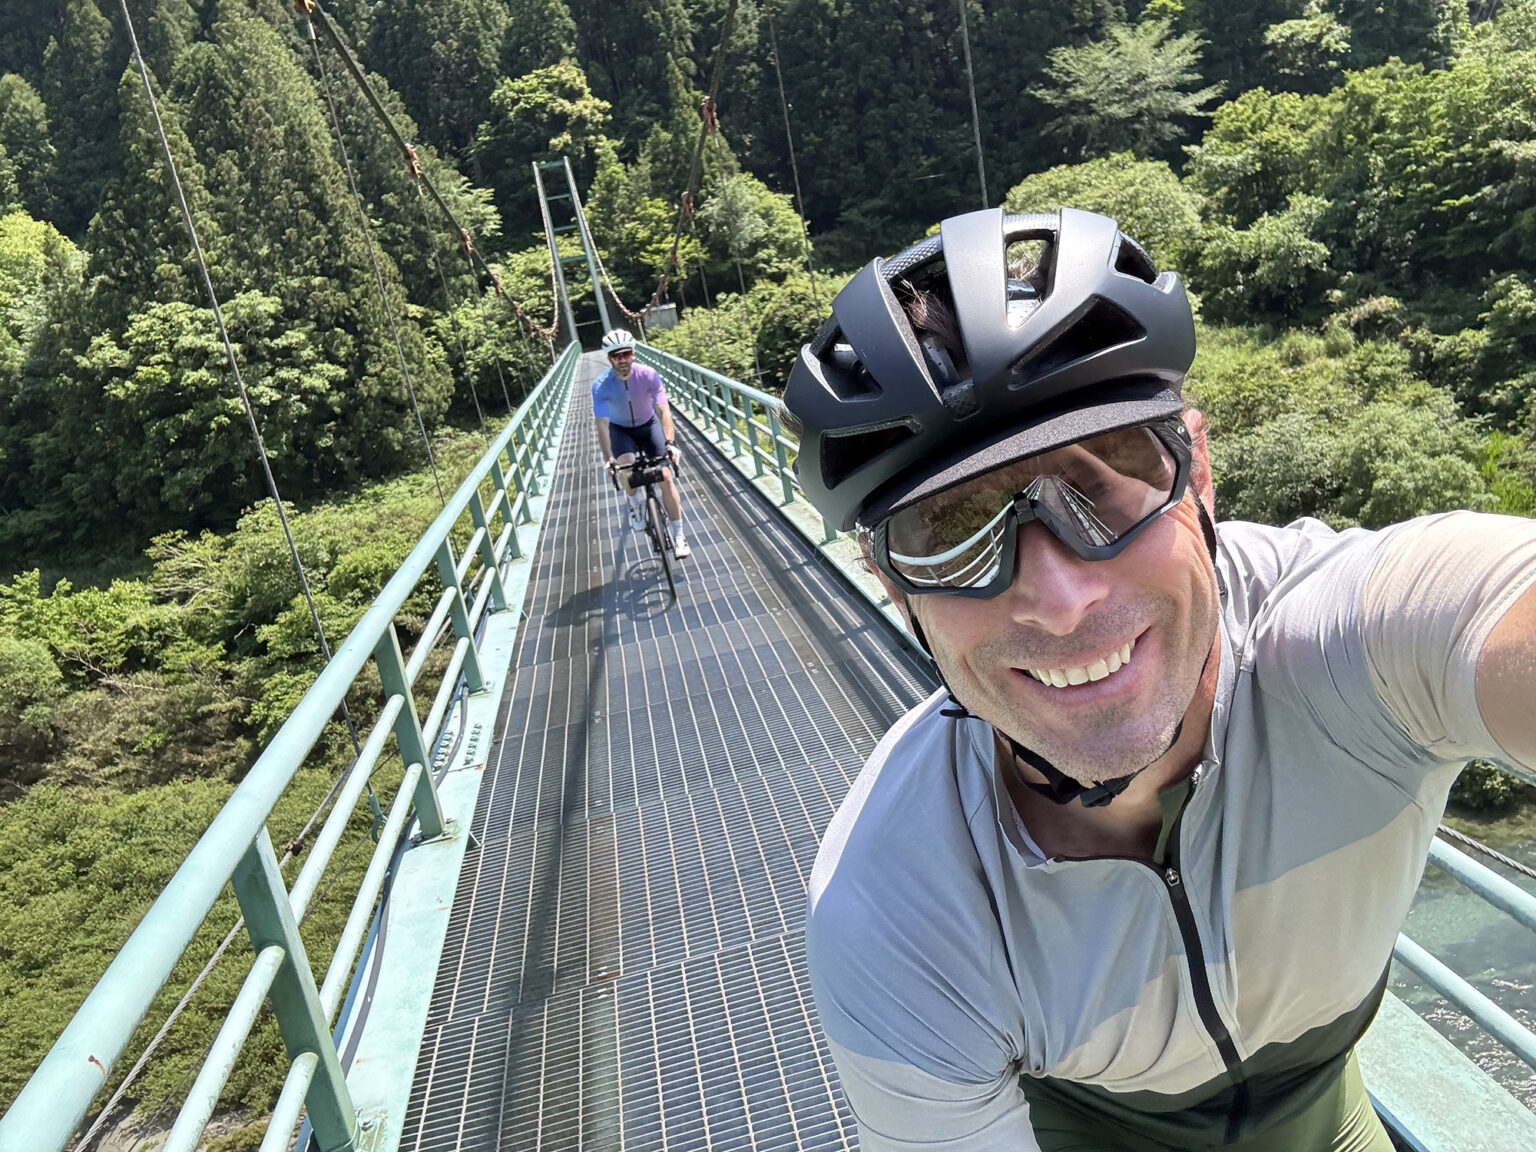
1199	978
1200	984
1205	999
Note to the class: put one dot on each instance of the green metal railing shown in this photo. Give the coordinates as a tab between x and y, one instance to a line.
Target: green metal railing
741	420
237	847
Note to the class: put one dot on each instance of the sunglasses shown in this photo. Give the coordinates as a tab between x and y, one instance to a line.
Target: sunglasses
1094	495
625	354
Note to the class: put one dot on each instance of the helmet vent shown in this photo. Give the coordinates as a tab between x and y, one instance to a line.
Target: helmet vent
843	453
827	335
1132	260
1103	326
846	375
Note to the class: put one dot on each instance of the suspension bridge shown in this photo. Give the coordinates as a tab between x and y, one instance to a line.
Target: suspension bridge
580	926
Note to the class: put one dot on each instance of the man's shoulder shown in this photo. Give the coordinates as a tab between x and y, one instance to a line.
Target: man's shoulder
1263	565
902	942
907	814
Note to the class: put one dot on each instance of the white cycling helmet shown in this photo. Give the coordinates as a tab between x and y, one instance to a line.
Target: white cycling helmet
618	340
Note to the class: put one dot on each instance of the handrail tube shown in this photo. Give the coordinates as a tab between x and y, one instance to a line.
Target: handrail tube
409	740
351	940
52	1103
1487	883
187	1132
471	553
500	547
263	898
745	389
335	825
447	688
477	609
429	636
1484	1012
490	562
285	1114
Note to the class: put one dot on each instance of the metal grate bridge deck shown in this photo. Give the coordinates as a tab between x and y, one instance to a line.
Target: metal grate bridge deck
624	965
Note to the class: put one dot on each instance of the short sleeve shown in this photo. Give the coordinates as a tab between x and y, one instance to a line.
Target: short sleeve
658	389
1438	588
901	1109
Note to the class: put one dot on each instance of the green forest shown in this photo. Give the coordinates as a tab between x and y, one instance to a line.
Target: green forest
1347	187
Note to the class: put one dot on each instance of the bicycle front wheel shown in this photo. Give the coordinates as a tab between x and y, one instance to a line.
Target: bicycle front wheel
658	524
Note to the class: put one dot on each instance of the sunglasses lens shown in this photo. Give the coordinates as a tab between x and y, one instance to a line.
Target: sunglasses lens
1097	490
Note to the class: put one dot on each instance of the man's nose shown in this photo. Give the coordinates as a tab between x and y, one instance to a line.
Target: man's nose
1053	588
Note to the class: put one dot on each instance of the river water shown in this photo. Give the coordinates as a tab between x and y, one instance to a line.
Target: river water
1482	944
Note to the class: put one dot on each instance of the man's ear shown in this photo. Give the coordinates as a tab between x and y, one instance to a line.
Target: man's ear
1200	461
893	593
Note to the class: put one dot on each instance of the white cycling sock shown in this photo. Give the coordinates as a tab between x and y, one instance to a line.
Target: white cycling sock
676	528
637	499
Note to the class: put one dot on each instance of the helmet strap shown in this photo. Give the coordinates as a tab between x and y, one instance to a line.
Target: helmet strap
1062	789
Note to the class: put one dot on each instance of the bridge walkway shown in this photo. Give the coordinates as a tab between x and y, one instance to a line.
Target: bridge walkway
624	965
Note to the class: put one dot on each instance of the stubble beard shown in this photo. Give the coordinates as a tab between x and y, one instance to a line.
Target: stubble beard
1114	740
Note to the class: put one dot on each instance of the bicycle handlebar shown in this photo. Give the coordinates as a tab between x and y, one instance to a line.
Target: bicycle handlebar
641	462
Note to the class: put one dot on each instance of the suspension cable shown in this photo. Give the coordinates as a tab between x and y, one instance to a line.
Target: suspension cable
373	258
295	845
730	239
229	352
1491	853
453	321
478	266
794	168
685	208
970	79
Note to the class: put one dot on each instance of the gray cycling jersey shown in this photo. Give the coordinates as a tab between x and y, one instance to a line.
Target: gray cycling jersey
1219	989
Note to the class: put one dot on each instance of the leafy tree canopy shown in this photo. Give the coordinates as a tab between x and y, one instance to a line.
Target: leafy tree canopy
1143	195
1129	91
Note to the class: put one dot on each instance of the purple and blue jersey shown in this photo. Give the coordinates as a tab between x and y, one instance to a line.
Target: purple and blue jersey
631	402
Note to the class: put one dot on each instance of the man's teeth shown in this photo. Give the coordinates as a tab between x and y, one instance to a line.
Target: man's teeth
1105	666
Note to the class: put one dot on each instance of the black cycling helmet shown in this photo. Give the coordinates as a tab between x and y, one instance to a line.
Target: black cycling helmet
888	417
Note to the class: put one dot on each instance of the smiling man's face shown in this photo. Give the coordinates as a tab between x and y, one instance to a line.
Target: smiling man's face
1091	664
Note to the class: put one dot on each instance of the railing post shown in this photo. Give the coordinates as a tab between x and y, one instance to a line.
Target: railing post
413	749
527	475
752	445
722	409
499	478
777	431
269	919
462	627
488	554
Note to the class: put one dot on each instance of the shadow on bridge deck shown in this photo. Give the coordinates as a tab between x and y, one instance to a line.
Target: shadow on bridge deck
624	964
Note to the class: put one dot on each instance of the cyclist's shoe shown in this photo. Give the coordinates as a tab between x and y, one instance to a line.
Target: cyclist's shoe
636	517
680	548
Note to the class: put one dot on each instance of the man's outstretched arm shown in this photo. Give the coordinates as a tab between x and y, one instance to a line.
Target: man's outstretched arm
1506	681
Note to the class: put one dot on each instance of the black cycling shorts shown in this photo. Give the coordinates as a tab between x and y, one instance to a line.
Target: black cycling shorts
645	440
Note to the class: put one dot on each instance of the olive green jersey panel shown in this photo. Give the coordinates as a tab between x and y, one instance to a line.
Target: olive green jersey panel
1279	1082
1337	1118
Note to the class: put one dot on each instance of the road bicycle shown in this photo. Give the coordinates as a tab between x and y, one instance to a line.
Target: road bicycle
645	472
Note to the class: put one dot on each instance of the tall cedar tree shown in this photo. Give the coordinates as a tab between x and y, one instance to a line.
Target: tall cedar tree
81	68
25	137
443	57
636	57
540	33
293	233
